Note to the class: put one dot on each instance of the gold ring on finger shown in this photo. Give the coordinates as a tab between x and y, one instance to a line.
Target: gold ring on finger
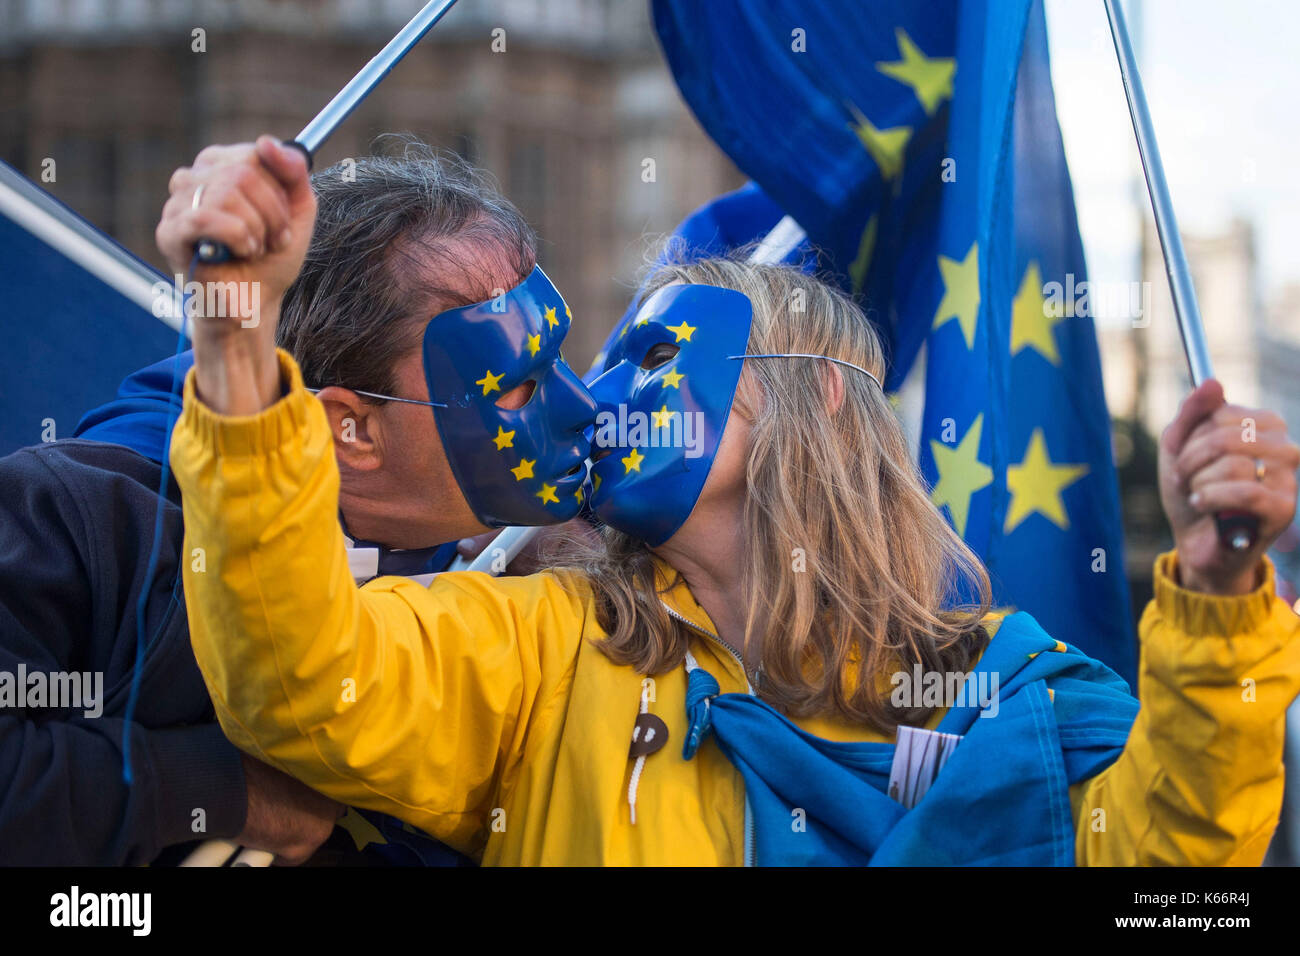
1259	469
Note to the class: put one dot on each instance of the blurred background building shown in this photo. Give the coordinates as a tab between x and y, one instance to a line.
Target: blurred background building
564	101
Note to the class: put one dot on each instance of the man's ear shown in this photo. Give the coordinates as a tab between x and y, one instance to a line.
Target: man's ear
353	423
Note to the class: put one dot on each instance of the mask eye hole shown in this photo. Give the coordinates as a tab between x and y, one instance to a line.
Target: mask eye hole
659	354
517	397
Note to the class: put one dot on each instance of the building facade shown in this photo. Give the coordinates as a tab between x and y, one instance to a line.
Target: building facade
567	102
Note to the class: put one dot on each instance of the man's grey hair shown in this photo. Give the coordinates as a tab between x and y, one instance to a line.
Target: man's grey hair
397	236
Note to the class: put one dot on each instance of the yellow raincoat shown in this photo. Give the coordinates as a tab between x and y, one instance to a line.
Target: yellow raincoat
481	710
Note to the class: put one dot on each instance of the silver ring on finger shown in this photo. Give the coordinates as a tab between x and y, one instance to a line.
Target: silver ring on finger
1260	468
198	196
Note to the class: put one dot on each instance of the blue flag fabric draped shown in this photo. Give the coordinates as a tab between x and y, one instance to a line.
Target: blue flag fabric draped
1002	799
919	149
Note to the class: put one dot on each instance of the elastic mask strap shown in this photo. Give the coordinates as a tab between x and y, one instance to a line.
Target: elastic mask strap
390	398
811	355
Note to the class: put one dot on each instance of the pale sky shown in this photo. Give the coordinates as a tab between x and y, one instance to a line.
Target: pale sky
1223	83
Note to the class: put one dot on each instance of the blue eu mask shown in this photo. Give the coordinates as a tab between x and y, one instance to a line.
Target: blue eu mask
515	467
664	399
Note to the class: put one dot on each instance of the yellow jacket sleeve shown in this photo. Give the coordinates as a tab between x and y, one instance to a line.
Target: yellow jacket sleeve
1200	780
408	700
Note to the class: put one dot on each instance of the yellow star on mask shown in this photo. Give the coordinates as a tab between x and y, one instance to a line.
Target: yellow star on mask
633	461
961	293
524	469
551	320
362	831
1031	323
547	494
682	331
961	474
1036	485
886	146
673	379
662	418
534	344
504	439
490	382
595	483
578	494
929	77
567	313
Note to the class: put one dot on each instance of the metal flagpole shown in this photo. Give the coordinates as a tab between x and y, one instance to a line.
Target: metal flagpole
1237	529
338	109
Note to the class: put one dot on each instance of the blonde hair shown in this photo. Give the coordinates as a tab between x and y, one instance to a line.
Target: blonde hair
837	486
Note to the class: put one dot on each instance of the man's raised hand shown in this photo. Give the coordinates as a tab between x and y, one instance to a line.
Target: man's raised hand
256	199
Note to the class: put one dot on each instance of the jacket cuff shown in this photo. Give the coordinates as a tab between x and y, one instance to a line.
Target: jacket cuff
250	436
1198	614
197	768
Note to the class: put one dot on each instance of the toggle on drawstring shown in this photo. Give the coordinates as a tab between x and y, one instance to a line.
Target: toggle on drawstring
651	733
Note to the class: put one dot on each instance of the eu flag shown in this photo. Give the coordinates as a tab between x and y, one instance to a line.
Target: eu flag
917	145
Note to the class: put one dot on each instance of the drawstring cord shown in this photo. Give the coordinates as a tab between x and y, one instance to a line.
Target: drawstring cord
640	761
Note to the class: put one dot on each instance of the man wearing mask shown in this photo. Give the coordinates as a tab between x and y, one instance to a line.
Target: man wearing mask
433	340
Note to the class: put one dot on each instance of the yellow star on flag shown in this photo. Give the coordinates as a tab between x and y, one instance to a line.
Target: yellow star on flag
490	382
1036	485
551	320
886	146
362	831
1031	324
961	293
866	249
929	77
682	331
961	474
547	494
673	379
633	461
534	343
663	418
504	439
524	469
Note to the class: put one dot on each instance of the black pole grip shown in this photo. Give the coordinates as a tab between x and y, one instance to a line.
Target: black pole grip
210	252
1238	530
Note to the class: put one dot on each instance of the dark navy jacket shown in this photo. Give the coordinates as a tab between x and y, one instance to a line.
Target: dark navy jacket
76	532
76	526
